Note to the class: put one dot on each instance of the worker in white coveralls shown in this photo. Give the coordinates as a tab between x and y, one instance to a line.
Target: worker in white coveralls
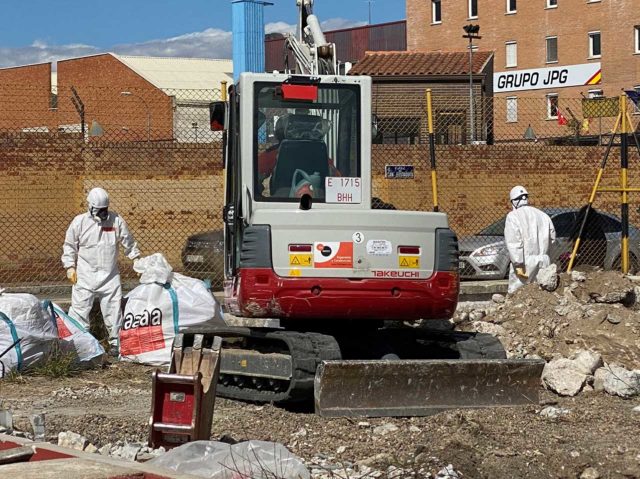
528	234
90	256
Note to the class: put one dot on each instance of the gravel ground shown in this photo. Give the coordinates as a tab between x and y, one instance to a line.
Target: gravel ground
600	431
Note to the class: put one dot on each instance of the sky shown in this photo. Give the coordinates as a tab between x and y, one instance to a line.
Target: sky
36	31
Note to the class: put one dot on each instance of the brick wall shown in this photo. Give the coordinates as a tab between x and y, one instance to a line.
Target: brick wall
26	96
474	182
165	192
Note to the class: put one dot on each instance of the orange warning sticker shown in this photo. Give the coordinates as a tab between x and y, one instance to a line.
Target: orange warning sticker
333	254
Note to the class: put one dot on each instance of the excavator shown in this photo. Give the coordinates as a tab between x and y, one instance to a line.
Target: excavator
327	295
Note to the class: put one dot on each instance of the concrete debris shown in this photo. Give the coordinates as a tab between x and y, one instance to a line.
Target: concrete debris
72	441
590	473
563	377
448	473
548	278
614	319
619	381
498	298
415	429
341	449
477	315
104	450
385	429
91	448
636	409
578	276
553	412
587	362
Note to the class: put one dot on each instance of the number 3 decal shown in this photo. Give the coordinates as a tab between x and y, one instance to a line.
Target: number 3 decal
358	237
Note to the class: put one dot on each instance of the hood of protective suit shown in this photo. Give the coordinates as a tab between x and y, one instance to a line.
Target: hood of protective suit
518	197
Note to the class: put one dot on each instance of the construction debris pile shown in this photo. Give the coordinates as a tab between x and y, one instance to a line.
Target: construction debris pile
585	324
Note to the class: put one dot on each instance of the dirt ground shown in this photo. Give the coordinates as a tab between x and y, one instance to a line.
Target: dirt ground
600	431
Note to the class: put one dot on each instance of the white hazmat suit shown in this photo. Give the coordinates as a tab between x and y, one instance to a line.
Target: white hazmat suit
528	234
90	255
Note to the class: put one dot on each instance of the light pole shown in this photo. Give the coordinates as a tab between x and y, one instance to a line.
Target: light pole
146	105
472	33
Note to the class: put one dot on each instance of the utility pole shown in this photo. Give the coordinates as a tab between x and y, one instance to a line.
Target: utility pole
370	2
472	33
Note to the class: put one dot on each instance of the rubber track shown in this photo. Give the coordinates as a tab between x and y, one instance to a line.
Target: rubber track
307	351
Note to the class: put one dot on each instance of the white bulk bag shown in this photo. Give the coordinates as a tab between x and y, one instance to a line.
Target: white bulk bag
22	317
156	312
74	337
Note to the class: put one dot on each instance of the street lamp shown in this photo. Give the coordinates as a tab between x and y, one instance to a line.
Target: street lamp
146	105
472	33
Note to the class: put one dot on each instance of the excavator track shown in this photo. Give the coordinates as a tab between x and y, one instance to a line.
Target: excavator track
271	365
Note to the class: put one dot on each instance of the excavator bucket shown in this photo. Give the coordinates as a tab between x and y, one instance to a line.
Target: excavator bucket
381	388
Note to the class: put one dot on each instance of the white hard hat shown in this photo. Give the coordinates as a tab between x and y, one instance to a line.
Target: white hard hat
517	192
98	198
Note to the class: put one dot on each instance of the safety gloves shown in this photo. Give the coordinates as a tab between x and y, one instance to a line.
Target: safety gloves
72	275
521	273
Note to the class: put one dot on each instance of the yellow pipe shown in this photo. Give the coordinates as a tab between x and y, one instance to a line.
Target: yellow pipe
223	89
618	190
595	186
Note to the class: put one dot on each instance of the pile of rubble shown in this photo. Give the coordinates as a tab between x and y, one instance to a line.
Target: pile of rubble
586	325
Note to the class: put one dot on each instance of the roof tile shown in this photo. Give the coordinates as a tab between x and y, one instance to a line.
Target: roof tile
382	64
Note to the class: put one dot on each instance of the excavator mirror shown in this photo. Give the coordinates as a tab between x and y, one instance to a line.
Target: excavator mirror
217	113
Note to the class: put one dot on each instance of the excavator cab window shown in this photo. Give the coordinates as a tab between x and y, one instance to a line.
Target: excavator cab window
301	142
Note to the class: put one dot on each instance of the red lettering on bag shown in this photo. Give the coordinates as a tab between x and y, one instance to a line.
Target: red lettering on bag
63	331
108	228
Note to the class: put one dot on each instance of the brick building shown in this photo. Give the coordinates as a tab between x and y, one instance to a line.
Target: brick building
351	43
130	98
400	81
553	51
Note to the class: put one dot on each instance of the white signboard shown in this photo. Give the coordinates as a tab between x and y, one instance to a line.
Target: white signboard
379	248
554	77
343	190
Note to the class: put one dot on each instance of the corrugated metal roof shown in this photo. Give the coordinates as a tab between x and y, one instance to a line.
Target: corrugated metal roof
180	73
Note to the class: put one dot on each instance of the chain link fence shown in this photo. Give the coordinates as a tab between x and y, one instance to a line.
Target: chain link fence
553	146
154	152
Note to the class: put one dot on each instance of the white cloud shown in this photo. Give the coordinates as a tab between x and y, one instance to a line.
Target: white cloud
210	43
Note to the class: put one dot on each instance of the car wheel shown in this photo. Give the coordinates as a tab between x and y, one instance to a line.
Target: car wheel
634	264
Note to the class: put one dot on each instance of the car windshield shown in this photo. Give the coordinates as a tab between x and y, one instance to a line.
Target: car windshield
494	229
298	144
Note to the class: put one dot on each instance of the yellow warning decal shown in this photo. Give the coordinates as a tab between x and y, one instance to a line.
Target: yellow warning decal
295	272
411	262
301	260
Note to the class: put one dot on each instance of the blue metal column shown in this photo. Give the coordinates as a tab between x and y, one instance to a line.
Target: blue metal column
248	36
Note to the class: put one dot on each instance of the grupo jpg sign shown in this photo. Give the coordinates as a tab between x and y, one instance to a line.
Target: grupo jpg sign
554	77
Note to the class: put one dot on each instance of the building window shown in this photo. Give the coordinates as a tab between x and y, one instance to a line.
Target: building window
595	94
552	3
552	106
511	54
595	48
473	9
552	49
512	109
637	39
511	6
636	107
436	11
398	131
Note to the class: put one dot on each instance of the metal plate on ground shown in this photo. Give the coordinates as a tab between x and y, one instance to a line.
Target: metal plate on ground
420	388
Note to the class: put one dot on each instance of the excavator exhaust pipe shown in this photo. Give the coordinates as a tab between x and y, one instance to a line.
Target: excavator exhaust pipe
423	387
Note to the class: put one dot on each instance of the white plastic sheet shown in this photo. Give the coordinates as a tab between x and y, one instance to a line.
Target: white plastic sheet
157	311
245	460
22	317
74	338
